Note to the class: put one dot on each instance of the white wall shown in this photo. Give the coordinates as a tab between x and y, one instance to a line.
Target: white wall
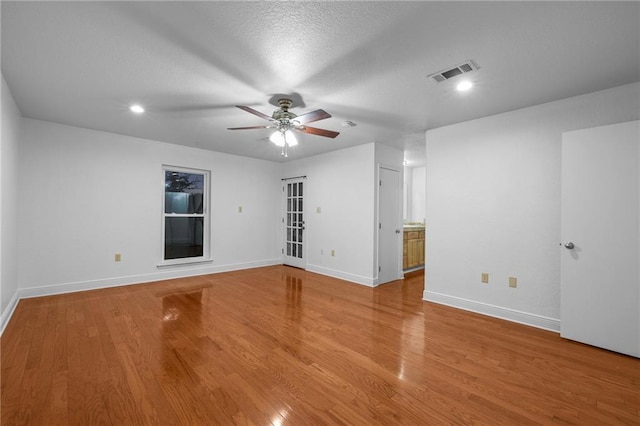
9	188
493	205
86	195
406	192
414	193
341	184
418	194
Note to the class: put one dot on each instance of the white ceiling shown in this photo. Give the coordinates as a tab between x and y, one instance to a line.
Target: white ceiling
189	63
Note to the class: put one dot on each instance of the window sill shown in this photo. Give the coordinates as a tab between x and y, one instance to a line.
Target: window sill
182	262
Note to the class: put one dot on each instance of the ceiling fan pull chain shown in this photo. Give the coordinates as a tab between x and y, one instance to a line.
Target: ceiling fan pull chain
285	146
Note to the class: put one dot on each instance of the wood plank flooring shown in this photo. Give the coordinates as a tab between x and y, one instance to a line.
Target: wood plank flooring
279	345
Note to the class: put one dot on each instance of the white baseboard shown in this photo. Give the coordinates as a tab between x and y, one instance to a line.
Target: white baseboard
178	272
513	315
358	279
8	312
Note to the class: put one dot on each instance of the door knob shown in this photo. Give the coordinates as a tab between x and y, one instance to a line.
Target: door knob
569	245
397	231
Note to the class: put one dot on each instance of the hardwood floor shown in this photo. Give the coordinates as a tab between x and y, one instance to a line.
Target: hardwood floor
279	345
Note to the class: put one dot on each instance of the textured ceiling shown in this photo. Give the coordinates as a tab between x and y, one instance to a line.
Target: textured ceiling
189	63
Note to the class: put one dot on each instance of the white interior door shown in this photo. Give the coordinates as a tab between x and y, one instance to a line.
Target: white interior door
294	226
389	226
600	290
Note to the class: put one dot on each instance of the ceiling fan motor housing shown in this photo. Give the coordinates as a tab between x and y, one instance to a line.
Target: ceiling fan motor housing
285	103
283	117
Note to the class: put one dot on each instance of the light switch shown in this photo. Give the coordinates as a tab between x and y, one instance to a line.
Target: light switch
118	257
513	282
485	277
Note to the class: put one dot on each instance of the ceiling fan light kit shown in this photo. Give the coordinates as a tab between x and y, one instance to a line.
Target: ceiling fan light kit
280	138
285	121
284	139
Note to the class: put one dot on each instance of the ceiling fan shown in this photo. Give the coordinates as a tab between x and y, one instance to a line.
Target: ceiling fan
285	121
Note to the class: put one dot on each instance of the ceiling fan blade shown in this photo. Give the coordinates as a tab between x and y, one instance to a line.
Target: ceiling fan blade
254	112
250	127
319	132
312	116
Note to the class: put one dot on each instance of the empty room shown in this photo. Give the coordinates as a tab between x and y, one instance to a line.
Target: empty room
320	212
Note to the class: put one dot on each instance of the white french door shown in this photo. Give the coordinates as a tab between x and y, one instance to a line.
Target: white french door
293	219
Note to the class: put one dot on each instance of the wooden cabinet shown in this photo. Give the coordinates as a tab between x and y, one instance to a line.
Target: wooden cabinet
413	248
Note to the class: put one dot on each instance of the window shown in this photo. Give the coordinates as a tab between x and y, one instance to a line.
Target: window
185	215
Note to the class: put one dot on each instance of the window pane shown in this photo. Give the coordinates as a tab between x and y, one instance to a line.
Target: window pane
183	237
300	190
183	192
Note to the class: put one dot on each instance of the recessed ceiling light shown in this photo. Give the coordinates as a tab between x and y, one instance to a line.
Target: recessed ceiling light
463	86
136	109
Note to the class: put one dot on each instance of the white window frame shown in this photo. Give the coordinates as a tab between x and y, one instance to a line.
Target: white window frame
206	253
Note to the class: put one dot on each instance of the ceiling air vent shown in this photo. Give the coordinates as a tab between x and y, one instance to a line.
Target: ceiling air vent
445	75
